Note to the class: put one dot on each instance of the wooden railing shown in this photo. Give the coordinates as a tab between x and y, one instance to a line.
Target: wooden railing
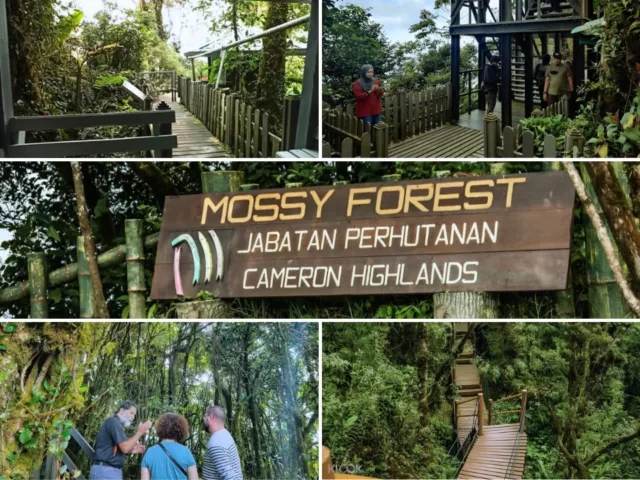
520	411
156	83
159	139
243	129
49	469
350	137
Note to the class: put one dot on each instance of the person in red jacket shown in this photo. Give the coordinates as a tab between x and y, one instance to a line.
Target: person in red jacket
367	91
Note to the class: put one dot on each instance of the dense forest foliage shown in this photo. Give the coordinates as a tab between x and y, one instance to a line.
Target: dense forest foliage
582	419
62	62
59	376
38	200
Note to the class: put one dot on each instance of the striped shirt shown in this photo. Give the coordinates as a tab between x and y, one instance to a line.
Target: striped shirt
222	461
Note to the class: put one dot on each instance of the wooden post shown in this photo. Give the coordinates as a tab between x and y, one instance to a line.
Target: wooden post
470	305
491	135
605	297
480	414
165	129
523	406
133	232
38	280
193	70
226	181
490	411
85	292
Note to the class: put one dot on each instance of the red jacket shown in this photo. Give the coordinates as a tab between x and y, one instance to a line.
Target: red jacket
367	103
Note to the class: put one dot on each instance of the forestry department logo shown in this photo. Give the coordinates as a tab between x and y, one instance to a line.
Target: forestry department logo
177	244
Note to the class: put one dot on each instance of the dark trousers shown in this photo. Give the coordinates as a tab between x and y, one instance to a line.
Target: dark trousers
491	97
543	103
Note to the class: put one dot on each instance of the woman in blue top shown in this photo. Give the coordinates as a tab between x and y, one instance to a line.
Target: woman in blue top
169	460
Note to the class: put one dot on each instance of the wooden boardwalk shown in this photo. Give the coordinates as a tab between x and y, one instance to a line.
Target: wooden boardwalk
501	449
447	141
194	140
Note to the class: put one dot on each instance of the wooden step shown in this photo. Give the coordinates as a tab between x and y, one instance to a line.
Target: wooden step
468	392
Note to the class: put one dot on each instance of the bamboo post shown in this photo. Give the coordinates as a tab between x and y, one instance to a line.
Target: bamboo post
227	181
85	291
133	232
480	414
605	298
249	186
38	275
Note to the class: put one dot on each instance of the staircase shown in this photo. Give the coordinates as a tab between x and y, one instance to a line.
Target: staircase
517	74
566	8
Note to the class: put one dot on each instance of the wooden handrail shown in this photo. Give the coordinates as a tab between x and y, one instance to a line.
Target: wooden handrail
523	409
480	414
61	122
344	133
506	412
510	397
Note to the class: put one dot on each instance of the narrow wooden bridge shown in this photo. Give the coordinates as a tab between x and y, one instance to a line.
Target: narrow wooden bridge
490	450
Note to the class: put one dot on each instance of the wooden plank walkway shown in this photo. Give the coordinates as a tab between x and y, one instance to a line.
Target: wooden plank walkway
499	453
194	140
501	450
447	141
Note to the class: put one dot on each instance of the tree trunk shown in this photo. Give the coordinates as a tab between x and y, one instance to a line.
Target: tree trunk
271	81
79	88
606	299
616	207
298	465
159	183
157	9
253	412
101	310
423	372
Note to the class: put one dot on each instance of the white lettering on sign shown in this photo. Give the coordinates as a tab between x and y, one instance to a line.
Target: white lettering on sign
377	275
395	236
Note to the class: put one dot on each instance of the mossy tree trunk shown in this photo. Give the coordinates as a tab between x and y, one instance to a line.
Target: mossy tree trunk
271	77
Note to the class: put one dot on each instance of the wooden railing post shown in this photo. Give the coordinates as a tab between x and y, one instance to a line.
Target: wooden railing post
491	134
290	122
85	292
523	408
381	135
490	412
165	129
573	138
480	414
133	232
38	280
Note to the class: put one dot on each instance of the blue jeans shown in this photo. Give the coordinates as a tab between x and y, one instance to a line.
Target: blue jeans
372	119
103	472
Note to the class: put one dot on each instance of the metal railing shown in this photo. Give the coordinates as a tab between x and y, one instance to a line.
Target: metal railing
467	81
160	140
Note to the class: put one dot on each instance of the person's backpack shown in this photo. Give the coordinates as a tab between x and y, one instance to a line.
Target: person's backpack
541	73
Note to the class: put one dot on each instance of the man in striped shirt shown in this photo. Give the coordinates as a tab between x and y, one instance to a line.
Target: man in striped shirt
222	461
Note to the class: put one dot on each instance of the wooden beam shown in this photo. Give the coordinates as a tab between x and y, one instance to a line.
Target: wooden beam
307	134
62	122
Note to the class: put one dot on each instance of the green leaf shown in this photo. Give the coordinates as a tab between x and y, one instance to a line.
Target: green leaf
11	457
12	327
68	24
3	376
55	295
53	233
25	435
351	420
3	348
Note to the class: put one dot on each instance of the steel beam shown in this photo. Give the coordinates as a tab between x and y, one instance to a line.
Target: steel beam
6	99
455	78
505	55
307	134
511	28
528	75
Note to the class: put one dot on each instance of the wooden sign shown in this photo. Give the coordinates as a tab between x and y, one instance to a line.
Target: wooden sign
507	233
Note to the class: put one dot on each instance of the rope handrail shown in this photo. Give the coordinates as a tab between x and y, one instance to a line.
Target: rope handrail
510	397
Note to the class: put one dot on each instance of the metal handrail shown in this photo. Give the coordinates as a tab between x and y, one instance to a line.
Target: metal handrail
512	457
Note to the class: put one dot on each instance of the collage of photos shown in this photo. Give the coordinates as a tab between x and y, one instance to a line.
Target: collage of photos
304	240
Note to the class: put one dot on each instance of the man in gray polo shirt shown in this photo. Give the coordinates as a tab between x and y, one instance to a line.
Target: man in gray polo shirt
222	461
112	444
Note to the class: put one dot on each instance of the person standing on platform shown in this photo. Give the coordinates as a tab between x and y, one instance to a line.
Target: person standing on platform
541	77
559	80
490	83
367	92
